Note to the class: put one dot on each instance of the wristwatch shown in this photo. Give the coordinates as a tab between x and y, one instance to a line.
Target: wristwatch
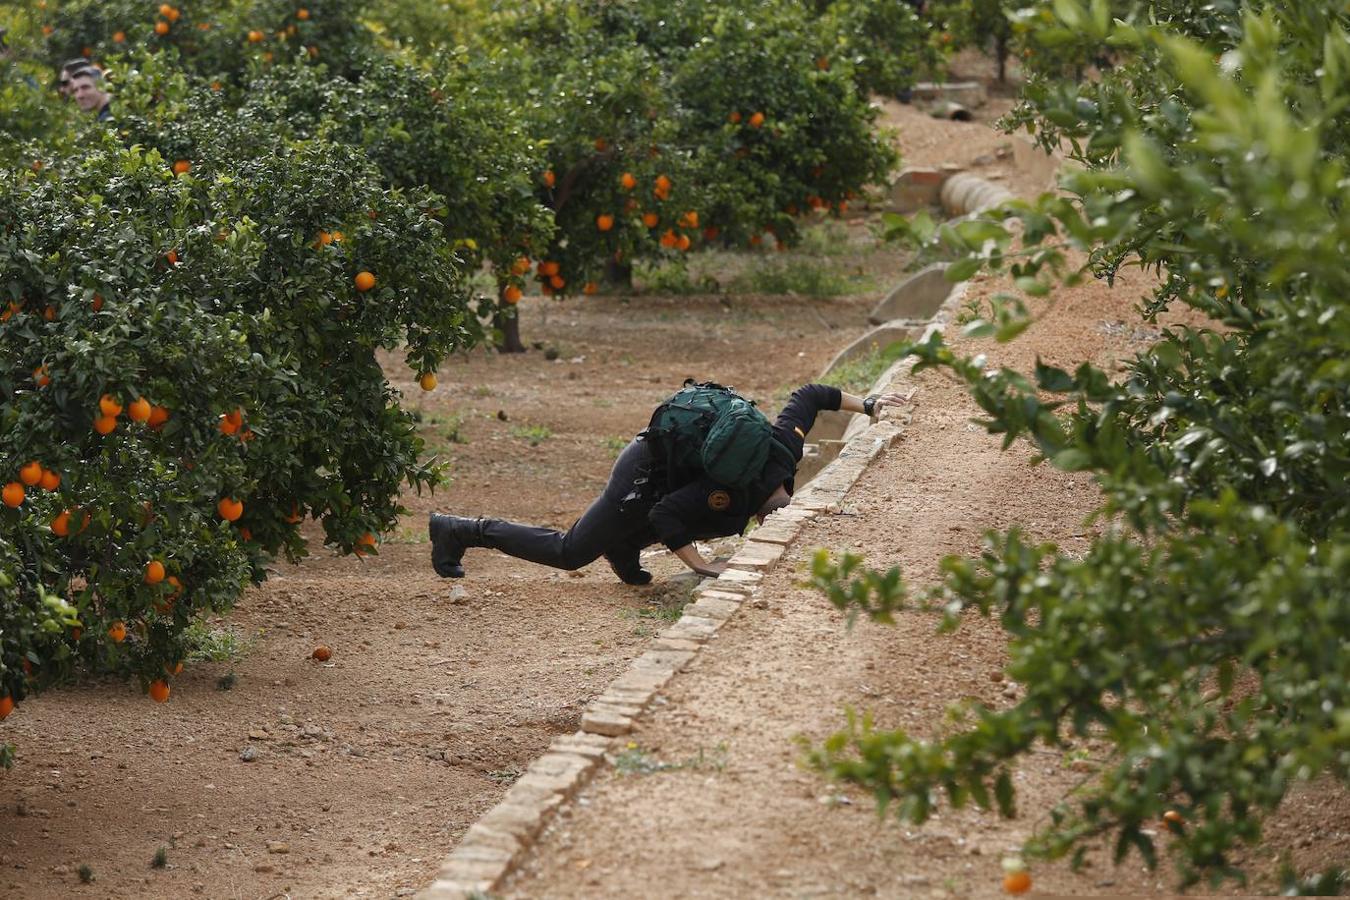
870	405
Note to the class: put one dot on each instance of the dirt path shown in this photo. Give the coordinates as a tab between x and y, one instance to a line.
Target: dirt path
366	770
710	799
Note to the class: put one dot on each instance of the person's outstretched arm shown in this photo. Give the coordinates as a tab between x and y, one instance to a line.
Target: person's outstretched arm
690	556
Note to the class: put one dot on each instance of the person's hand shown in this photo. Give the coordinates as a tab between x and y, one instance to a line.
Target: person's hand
891	399
714	568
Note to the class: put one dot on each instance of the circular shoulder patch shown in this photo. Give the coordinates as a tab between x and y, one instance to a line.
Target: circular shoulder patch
719	501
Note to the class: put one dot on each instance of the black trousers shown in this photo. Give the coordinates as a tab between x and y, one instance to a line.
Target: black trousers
615	525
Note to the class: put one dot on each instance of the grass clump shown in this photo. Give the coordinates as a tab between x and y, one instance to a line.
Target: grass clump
857	375
801	277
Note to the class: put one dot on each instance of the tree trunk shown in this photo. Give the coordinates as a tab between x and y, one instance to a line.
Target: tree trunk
619	274
1001	52
509	326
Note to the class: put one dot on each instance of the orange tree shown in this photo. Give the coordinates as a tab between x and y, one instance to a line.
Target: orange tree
887	45
1202	634
220	39
666	128
434	127
189	372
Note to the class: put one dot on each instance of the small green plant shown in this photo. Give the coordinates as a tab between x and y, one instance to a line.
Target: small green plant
673	278
633	760
6	756
86	874
508	775
161	858
801	277
226	682
535	434
614	445
826	239
206	644
856	376
450	429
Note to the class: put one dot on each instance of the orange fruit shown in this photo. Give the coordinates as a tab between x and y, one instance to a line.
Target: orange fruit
97	302
295	515
228	424
711	232
6	706
50	480
822	63
601	145
158	416
40	376
322	653
31	473
1172	817
165	9
337	237
549	178
182	167
108	405
689	219
61	524
216	85
669	239
118	632
651	220
589	288
159	690
161	28
549	268
173	14
246	533
604	221
230	509
13	494
49	314
520	266
364	281
139	410
428	381
757	120
119	37
683	243
557	282
76	633
1017	882
154	572
173	669
177	589
511	294
255	37
628	181
734	118
172	257
302	15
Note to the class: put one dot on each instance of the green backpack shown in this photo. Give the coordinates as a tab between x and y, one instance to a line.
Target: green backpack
711	429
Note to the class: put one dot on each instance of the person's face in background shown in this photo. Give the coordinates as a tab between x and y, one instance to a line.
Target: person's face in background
87	93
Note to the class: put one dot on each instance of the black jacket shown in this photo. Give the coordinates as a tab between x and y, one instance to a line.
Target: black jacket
705	509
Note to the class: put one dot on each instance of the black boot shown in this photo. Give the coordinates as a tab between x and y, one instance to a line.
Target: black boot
450	535
628	569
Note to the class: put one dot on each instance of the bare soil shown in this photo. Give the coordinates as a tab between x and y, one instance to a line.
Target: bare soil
368	768
711	799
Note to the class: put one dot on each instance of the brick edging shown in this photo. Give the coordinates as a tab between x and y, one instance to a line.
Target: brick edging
501	838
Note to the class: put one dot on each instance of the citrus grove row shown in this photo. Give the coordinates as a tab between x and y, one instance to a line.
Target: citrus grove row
194	288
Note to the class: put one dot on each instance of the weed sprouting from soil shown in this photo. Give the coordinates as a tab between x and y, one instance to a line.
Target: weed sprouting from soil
535	434
802	277
858	375
226	682
633	760
86	874
161	858
206	644
614	445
